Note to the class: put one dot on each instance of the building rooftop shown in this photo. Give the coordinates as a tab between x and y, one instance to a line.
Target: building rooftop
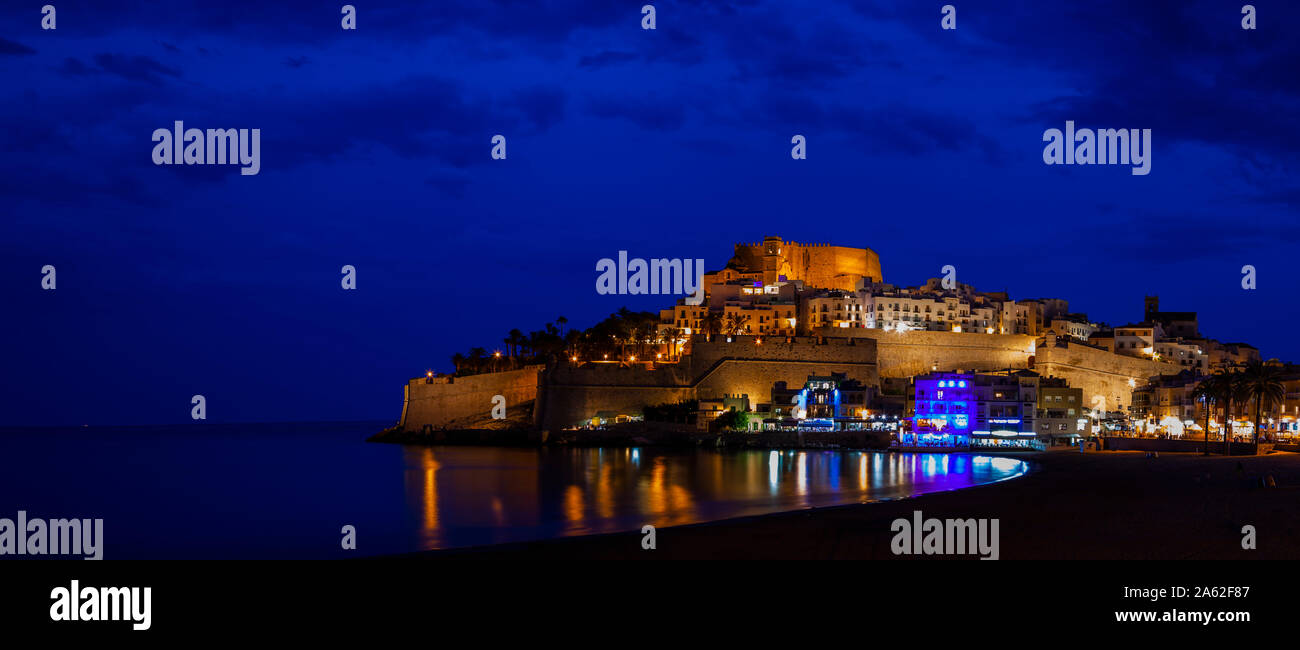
1173	315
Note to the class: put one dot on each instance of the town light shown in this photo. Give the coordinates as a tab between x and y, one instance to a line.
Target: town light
430	373
497	354
988	330
632	358
573	359
956	328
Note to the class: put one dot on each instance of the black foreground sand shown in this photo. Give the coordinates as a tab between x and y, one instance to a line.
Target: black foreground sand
1107	505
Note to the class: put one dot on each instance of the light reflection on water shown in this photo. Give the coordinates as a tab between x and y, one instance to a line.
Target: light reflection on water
466	496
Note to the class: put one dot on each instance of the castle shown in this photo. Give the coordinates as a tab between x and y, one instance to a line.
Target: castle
816	265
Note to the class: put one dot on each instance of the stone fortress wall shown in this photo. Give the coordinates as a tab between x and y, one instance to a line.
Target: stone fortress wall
448	400
905	354
1100	373
570	394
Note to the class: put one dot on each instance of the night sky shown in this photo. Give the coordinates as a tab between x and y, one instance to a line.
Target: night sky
923	144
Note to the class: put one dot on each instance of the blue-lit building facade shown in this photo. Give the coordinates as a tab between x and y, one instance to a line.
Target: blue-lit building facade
825	403
819	402
943	411
973	410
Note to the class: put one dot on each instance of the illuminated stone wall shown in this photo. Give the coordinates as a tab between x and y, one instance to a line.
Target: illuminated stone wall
450	400
712	369
570	394
906	354
1098	372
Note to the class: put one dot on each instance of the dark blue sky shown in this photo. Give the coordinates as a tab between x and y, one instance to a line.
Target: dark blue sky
923	144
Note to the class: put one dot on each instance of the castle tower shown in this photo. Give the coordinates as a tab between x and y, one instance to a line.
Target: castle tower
1152	304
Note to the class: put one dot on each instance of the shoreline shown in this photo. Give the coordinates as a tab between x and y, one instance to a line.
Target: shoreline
637	436
1098	505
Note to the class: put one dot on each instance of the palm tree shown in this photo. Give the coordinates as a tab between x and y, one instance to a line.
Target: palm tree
735	323
537	342
646	332
1207	391
457	360
476	358
669	335
561	321
621	329
1229	392
1262	383
515	339
571	341
711	324
653	336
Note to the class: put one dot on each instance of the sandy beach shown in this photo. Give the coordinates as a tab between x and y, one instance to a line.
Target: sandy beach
1098	505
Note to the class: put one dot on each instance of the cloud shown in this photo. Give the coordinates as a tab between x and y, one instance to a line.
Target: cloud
72	67
451	184
606	58
646	112
135	68
543	107
13	48
897	128
54	186
1178	238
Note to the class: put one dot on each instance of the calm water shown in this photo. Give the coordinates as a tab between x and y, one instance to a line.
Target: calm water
286	490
